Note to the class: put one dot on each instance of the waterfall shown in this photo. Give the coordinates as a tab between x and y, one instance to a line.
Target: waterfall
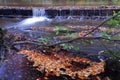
38	12
70	14
62	16
59	16
108	14
39	15
81	15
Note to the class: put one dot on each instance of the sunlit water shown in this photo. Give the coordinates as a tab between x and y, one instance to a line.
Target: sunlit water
34	20
57	2
39	15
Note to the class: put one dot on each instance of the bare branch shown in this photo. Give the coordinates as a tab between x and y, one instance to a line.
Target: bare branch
25	42
71	40
54	44
89	31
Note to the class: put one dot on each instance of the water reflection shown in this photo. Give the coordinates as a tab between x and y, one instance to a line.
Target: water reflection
56	2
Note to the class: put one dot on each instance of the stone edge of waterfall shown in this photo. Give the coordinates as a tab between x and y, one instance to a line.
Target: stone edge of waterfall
15	11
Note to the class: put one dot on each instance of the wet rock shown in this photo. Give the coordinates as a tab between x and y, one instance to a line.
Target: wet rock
113	69
17	67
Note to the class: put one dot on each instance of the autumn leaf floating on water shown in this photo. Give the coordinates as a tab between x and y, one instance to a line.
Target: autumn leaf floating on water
59	64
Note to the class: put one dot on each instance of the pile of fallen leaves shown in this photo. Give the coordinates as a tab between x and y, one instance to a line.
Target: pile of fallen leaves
56	65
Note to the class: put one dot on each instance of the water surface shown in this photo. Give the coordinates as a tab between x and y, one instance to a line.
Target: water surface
57	2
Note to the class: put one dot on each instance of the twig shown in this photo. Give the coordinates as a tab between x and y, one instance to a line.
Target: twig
80	38
68	41
25	42
89	31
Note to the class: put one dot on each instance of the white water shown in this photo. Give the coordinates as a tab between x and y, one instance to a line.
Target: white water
38	16
38	12
34	20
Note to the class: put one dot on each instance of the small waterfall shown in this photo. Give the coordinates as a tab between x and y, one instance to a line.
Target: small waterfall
62	15
39	18
70	15
59	16
100	14
38	12
39	15
108	14
95	14
81	15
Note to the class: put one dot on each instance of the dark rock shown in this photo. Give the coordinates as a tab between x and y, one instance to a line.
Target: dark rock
17	67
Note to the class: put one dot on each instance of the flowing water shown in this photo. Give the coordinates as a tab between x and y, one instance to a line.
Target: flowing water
39	16
40	19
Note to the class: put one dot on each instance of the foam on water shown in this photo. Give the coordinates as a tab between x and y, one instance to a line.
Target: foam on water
39	16
34	20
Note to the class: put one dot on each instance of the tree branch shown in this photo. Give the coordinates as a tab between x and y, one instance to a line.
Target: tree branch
68	41
89	31
50	45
